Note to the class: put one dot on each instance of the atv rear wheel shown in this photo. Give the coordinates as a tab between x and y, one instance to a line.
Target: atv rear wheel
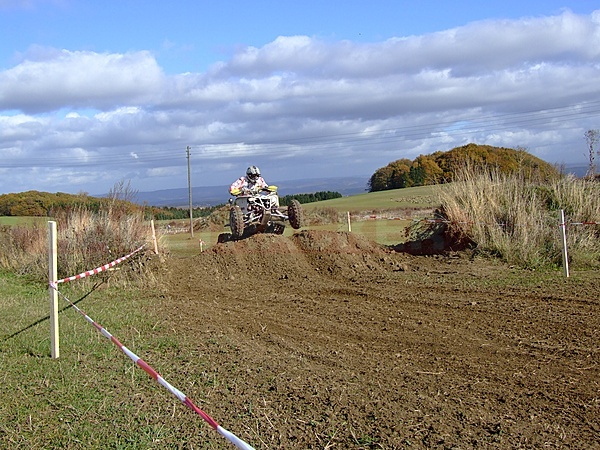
236	222
295	214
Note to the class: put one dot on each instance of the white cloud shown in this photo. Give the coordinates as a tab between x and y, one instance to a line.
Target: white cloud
316	104
480	46
66	79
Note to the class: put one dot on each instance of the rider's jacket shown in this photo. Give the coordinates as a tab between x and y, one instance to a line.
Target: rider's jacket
243	183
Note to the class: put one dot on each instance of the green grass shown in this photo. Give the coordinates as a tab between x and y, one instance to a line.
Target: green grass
68	402
417	197
184	244
18	220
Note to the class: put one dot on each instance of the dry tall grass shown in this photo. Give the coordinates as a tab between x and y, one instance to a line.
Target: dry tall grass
86	240
518	219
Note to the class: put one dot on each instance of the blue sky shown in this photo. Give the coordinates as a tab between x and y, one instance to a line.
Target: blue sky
92	93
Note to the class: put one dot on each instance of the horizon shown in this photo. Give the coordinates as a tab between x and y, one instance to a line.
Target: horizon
571	168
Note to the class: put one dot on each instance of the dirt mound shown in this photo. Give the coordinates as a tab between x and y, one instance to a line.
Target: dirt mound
266	257
308	241
328	340
346	254
329	253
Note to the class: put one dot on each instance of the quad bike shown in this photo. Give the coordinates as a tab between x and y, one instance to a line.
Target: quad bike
259	212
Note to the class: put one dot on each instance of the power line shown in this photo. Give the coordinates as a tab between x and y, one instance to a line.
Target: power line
459	126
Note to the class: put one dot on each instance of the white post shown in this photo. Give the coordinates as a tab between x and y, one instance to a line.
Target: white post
154	237
565	257
53	276
349	225
190	194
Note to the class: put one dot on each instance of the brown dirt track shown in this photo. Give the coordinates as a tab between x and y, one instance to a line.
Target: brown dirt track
325	340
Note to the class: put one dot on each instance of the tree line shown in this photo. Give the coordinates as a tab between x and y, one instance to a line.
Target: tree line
309	198
45	204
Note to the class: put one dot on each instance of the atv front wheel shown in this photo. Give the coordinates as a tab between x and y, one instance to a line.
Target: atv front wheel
236	222
295	214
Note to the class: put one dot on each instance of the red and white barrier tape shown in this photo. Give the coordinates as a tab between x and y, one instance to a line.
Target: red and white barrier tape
462	222
239	443
140	362
99	269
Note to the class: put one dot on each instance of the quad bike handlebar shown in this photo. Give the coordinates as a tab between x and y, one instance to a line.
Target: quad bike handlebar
247	191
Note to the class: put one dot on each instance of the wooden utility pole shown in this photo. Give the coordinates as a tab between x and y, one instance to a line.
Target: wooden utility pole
592	137
190	193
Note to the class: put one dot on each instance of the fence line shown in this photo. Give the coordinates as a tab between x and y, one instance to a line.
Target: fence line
232	438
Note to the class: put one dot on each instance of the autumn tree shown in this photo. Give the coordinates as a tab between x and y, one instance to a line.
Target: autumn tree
426	171
400	176
380	180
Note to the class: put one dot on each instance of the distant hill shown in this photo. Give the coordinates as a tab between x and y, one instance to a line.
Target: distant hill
579	170
442	167
216	195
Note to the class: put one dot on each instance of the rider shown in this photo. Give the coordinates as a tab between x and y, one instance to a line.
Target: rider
251	182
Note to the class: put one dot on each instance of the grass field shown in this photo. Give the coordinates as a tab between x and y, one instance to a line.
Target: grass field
382	231
12	221
417	197
43	399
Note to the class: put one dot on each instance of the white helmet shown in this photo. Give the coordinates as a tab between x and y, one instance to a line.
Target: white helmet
253	173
